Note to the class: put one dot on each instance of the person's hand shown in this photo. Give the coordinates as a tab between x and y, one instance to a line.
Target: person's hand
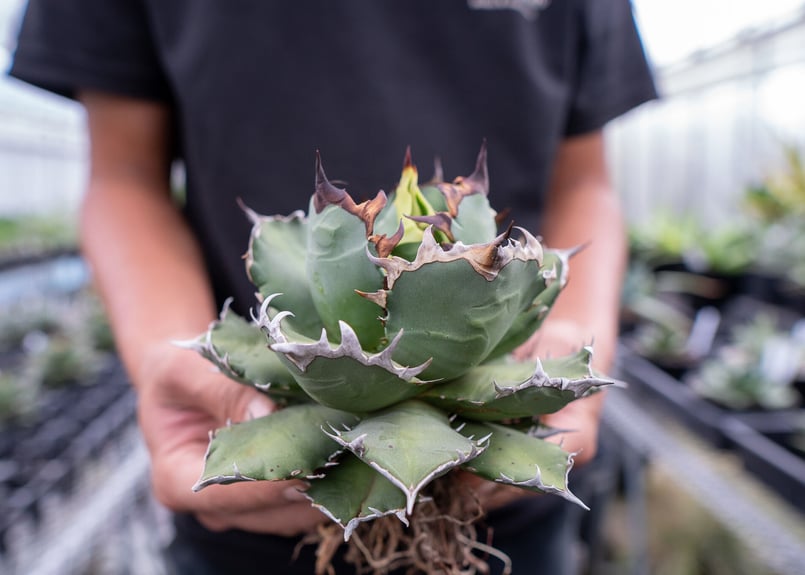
579	419
182	399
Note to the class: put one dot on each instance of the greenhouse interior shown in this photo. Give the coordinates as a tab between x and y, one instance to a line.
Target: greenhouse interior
705	432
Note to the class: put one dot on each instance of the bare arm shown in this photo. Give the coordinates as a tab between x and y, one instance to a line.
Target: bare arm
138	245
583	209
148	268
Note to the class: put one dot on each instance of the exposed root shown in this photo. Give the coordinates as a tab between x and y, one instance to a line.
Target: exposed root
442	538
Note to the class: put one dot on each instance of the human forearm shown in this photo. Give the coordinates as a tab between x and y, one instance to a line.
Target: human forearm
146	266
584	211
149	270
144	260
590	301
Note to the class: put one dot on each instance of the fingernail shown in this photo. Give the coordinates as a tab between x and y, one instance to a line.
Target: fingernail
293	494
258	407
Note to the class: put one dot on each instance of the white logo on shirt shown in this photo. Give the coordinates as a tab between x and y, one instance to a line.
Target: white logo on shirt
529	9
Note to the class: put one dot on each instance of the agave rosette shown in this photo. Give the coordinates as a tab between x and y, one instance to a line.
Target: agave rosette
385	329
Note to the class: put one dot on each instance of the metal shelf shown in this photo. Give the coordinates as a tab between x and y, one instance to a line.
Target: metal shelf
767	525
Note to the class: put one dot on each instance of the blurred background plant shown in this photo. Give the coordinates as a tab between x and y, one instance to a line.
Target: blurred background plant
766	237
781	195
47	344
26	235
757	368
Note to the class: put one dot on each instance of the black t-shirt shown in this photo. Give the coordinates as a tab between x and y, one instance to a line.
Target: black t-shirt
257	86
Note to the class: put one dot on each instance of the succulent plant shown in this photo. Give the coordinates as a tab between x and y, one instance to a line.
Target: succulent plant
781	194
385	329
17	396
757	367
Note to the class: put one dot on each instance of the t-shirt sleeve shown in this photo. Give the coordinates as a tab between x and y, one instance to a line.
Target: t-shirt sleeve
613	73
68	45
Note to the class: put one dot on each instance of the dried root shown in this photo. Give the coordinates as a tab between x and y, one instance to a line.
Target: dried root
442	538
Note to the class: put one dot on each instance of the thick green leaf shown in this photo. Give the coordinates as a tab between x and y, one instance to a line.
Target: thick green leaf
337	266
411	444
275	263
450	313
240	350
434	196
510	389
551	279
555	269
352	492
287	444
342	376
475	222
516	458
344	383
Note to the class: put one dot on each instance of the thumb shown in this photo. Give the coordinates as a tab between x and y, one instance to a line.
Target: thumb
259	405
196	383
249	403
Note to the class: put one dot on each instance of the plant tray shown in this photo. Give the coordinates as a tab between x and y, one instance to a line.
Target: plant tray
649	382
768	460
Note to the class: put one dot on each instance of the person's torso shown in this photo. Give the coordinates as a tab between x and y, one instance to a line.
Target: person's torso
260	86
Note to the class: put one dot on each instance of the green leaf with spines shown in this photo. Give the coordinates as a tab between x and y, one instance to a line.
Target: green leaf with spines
240	350
352	493
508	389
410	444
516	458
337	266
345	383
550	280
275	262
451	313
475	222
287	444
341	376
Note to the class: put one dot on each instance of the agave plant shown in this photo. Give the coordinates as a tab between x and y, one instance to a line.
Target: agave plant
385	330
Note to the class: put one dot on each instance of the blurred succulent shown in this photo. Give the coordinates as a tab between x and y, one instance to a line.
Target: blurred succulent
664	238
61	361
756	368
17	396
662	330
729	250
385	328
782	194
783	246
20	320
27	235
778	205
49	344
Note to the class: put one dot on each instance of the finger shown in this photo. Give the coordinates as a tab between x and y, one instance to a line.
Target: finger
178	438
182	379
492	494
289	520
227	400
581	418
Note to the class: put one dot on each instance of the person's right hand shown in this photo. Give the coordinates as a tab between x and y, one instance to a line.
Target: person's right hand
181	399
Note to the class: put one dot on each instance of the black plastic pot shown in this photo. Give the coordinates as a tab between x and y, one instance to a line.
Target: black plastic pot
673	397
768	460
758	437
773	289
700	288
